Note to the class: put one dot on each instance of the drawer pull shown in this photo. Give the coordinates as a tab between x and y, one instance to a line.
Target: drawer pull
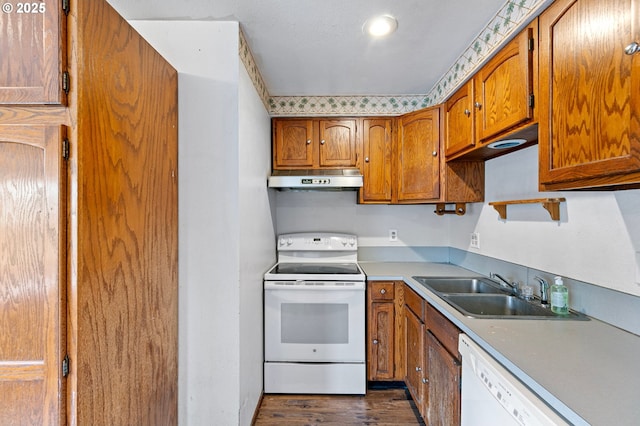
383	291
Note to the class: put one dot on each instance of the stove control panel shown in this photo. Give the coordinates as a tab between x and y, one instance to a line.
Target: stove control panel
308	241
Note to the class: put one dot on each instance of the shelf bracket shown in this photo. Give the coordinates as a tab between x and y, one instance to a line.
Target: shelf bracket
552	205
441	209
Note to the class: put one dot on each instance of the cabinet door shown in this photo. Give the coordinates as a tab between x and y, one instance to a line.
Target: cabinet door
590	94
32	48
418	156
338	147
443	385
504	87
293	144
459	121
414	338
32	270
381	341
377	160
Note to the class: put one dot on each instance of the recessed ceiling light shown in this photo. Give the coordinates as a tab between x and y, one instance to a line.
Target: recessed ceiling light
380	26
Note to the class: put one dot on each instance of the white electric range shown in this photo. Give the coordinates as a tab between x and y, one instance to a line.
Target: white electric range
315	316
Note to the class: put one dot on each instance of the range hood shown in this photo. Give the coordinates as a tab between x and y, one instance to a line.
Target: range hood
323	179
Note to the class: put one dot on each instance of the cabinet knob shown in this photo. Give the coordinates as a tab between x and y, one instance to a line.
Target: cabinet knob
418	369
425	380
467	112
632	49
366	159
434	153
322	142
383	291
308	141
478	105
375	341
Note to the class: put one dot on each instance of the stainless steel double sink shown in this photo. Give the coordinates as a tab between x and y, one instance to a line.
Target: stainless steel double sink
480	297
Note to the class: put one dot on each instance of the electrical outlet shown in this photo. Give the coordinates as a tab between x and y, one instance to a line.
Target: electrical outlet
475	240
393	235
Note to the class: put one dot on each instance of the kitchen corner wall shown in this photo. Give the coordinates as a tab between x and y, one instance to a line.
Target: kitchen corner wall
594	241
226	229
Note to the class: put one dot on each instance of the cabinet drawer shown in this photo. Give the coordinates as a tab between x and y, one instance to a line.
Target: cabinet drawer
414	302
381	290
444	330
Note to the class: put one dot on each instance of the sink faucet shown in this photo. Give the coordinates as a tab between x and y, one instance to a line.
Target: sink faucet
512	286
544	291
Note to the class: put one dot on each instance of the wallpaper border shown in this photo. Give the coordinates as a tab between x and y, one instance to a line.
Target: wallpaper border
509	20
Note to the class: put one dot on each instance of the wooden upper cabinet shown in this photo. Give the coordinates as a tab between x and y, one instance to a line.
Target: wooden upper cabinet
497	103
459	121
301	143
293	144
338	147
33	265
377	165
504	90
590	94
418	156
32	48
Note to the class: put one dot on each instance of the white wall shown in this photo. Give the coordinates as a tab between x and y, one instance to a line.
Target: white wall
595	240
226	235
417	225
257	239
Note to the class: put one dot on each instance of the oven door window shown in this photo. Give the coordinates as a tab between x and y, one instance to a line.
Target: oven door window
314	325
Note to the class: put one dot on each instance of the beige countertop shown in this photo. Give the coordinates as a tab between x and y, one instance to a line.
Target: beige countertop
588	371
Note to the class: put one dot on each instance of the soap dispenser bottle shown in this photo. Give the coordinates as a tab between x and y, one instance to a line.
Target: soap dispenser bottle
559	297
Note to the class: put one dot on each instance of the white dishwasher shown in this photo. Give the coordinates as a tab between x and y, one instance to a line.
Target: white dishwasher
492	396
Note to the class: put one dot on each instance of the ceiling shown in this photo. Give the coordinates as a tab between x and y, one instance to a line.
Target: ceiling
317	47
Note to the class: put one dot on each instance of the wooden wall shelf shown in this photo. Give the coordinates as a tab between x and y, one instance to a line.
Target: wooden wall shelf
552	205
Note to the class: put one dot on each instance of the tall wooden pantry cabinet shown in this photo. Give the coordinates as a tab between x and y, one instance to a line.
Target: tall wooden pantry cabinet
88	220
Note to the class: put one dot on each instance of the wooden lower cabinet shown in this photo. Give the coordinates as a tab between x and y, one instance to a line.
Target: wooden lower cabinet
384	331
414	355
443	385
432	363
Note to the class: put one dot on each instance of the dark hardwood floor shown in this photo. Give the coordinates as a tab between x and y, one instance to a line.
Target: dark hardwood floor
378	407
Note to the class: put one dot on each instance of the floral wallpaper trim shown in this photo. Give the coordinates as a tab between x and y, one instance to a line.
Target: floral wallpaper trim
345	105
252	69
513	16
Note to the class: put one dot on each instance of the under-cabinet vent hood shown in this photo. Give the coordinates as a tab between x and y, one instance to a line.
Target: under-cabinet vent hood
314	180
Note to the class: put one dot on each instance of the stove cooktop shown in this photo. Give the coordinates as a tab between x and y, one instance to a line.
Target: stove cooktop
316	268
